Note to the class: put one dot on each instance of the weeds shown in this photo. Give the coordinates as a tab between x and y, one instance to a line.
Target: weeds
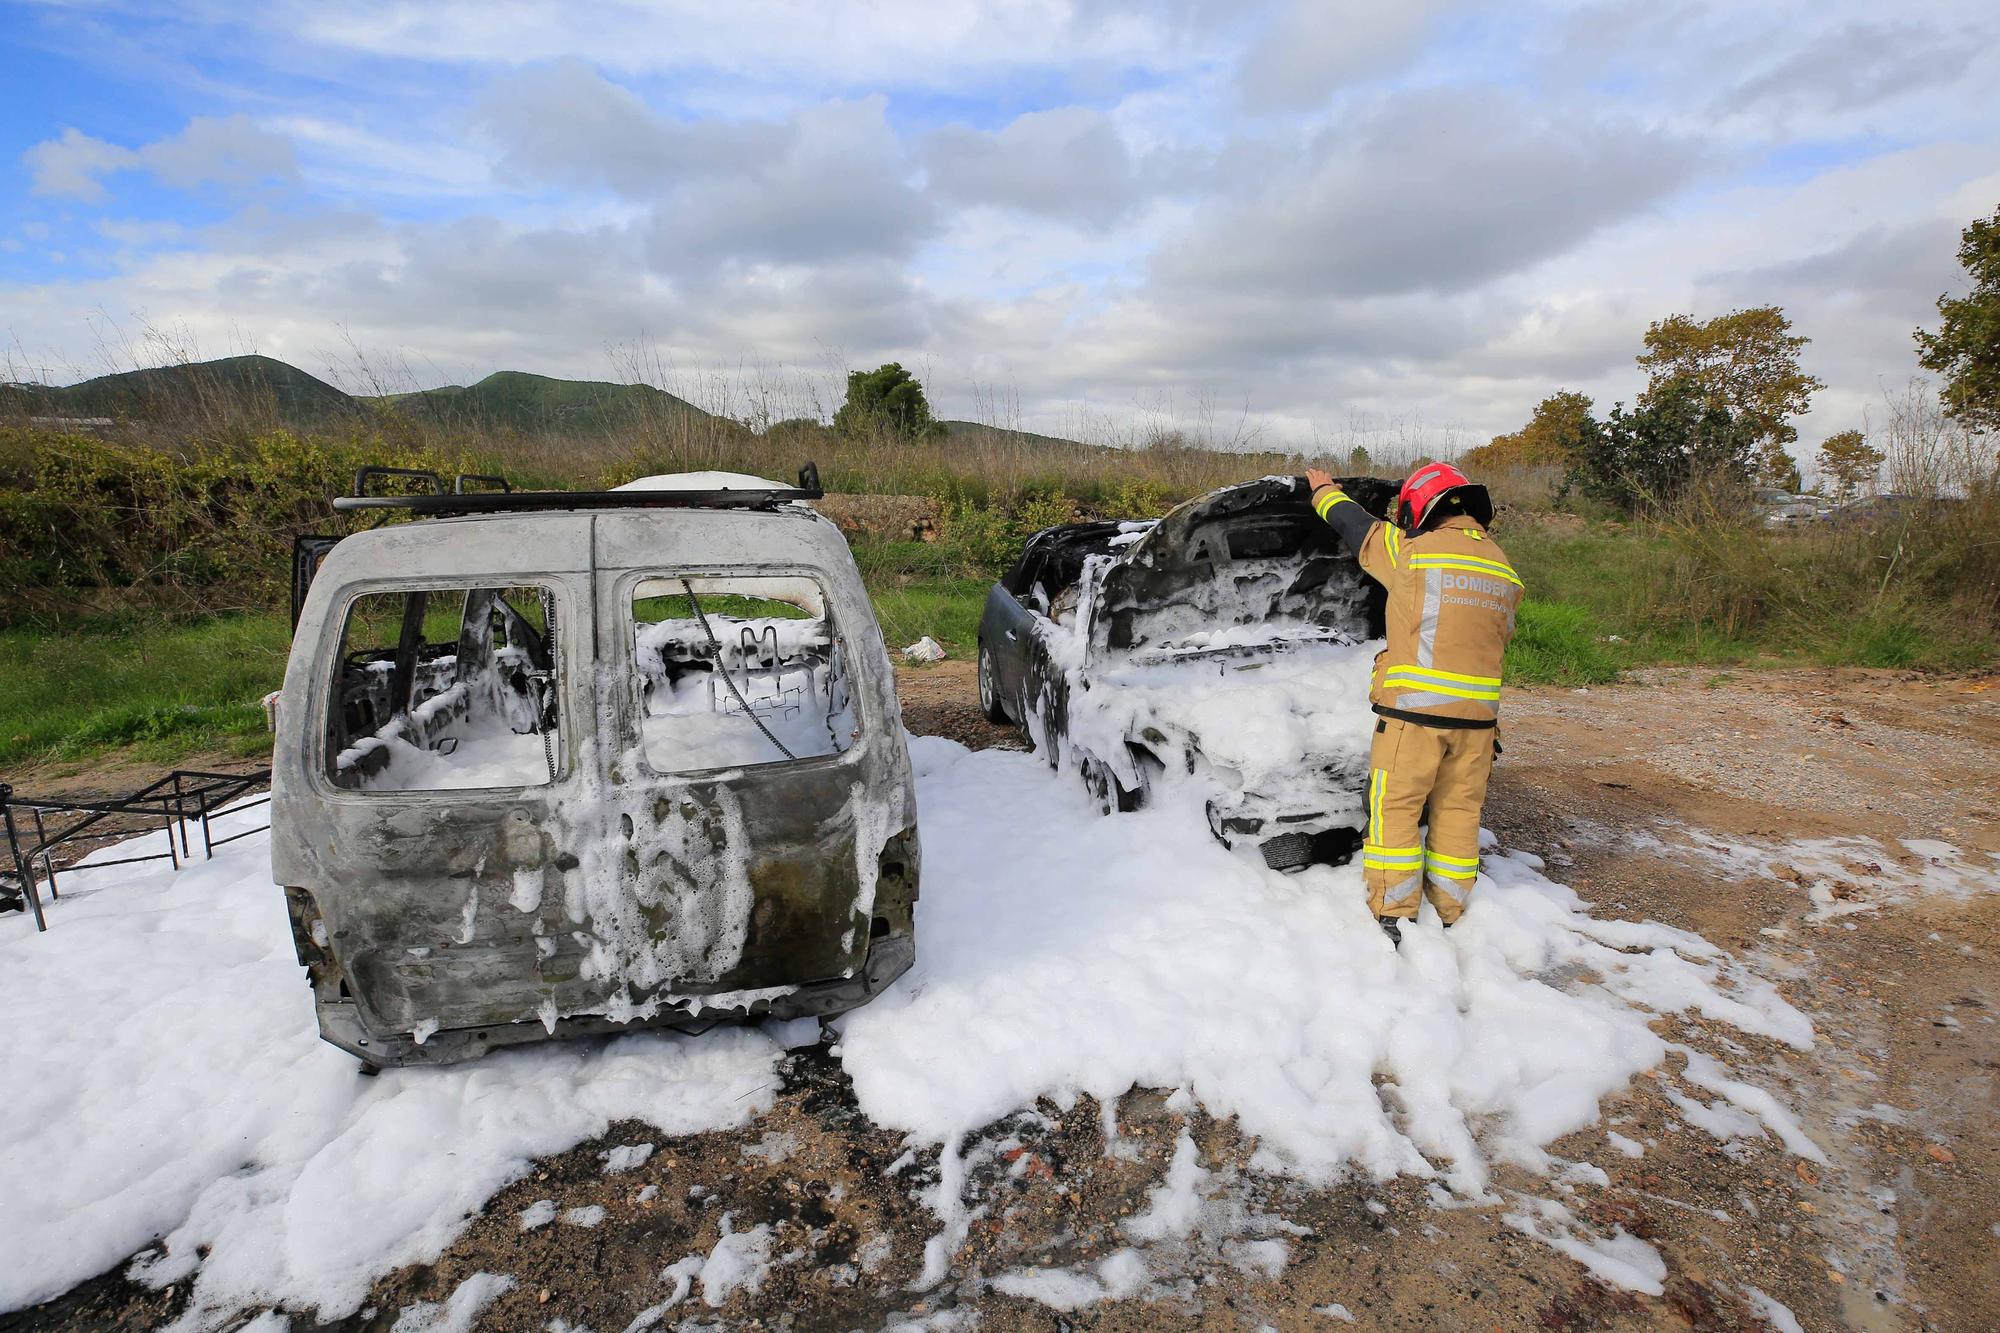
1558	645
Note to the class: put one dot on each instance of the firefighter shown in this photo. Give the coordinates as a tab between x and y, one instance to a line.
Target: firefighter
1452	597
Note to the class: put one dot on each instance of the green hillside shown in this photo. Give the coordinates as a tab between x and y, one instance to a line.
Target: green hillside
514	399
261	387
233	385
977	432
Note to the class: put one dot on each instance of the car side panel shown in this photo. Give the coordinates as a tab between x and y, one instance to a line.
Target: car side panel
1006	630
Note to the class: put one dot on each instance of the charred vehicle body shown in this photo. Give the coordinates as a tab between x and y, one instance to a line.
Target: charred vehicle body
1214	648
565	763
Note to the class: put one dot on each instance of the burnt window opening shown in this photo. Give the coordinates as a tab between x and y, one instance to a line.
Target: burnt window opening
1047	576
446	688
737	671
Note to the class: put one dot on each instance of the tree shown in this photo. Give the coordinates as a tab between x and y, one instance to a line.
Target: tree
887	399
1850	461
1747	359
1561	423
1966	347
1679	437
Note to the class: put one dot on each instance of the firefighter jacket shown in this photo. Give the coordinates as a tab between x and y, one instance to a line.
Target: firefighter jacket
1450	612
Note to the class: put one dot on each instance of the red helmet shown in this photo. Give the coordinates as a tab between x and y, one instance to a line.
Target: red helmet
1431	484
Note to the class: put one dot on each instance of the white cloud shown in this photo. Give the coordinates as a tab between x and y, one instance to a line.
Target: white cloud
230	151
920	43
839	188
1427	191
69	167
565	124
1317	47
1857	66
1069	163
1303	213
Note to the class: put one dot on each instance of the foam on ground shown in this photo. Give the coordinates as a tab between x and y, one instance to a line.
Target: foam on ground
170	1081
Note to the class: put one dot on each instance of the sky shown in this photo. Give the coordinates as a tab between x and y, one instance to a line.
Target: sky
1293	223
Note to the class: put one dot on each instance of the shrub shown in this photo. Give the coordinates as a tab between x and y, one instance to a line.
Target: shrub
1649	460
983	540
88	523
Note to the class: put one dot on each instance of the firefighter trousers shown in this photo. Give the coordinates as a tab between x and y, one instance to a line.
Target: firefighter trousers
1414	769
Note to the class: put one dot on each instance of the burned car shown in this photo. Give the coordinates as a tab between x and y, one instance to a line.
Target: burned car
552	764
1223	651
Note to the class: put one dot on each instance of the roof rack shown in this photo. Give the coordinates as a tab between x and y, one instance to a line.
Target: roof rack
458	500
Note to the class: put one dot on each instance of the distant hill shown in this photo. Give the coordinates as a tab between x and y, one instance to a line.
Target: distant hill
520	401
970	430
232	386
252	387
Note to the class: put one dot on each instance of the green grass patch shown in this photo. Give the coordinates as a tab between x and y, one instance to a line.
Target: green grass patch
164	690
946	609
1555	644
1601	598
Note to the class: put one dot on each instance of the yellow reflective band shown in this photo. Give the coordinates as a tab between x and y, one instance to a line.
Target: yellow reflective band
1434	674
1476	536
1464	555
1432	687
1472	861
1392	539
1466	564
1409	854
1444	872
1377	785
1324	505
1460	562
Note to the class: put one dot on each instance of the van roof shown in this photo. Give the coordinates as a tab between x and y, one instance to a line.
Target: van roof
710	490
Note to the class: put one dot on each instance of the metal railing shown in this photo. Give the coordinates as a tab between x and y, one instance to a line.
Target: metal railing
184	799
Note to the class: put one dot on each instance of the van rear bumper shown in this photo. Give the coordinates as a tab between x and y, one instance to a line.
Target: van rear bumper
340	1021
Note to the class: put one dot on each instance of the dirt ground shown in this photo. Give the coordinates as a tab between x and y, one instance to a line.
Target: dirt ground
1635	794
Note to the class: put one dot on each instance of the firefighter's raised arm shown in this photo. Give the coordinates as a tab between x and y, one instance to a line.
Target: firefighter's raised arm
1339	509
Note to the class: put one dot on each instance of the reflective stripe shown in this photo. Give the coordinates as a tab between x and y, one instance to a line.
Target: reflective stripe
1413	701
1434	673
1487	560
1427	628
1325	503
1468	565
1392	858
1443	691
1402	891
1450	860
1445	889
1392	540
1378	784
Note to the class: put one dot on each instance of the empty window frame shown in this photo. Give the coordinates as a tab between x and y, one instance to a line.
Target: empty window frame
739	670
447	688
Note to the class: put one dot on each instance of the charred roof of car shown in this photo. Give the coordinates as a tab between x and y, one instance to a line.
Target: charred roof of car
1180	531
1281	561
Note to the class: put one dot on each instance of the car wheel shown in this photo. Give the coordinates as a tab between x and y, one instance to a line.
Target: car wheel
989	690
1110	793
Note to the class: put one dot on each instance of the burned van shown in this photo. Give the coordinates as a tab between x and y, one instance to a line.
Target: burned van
553	764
